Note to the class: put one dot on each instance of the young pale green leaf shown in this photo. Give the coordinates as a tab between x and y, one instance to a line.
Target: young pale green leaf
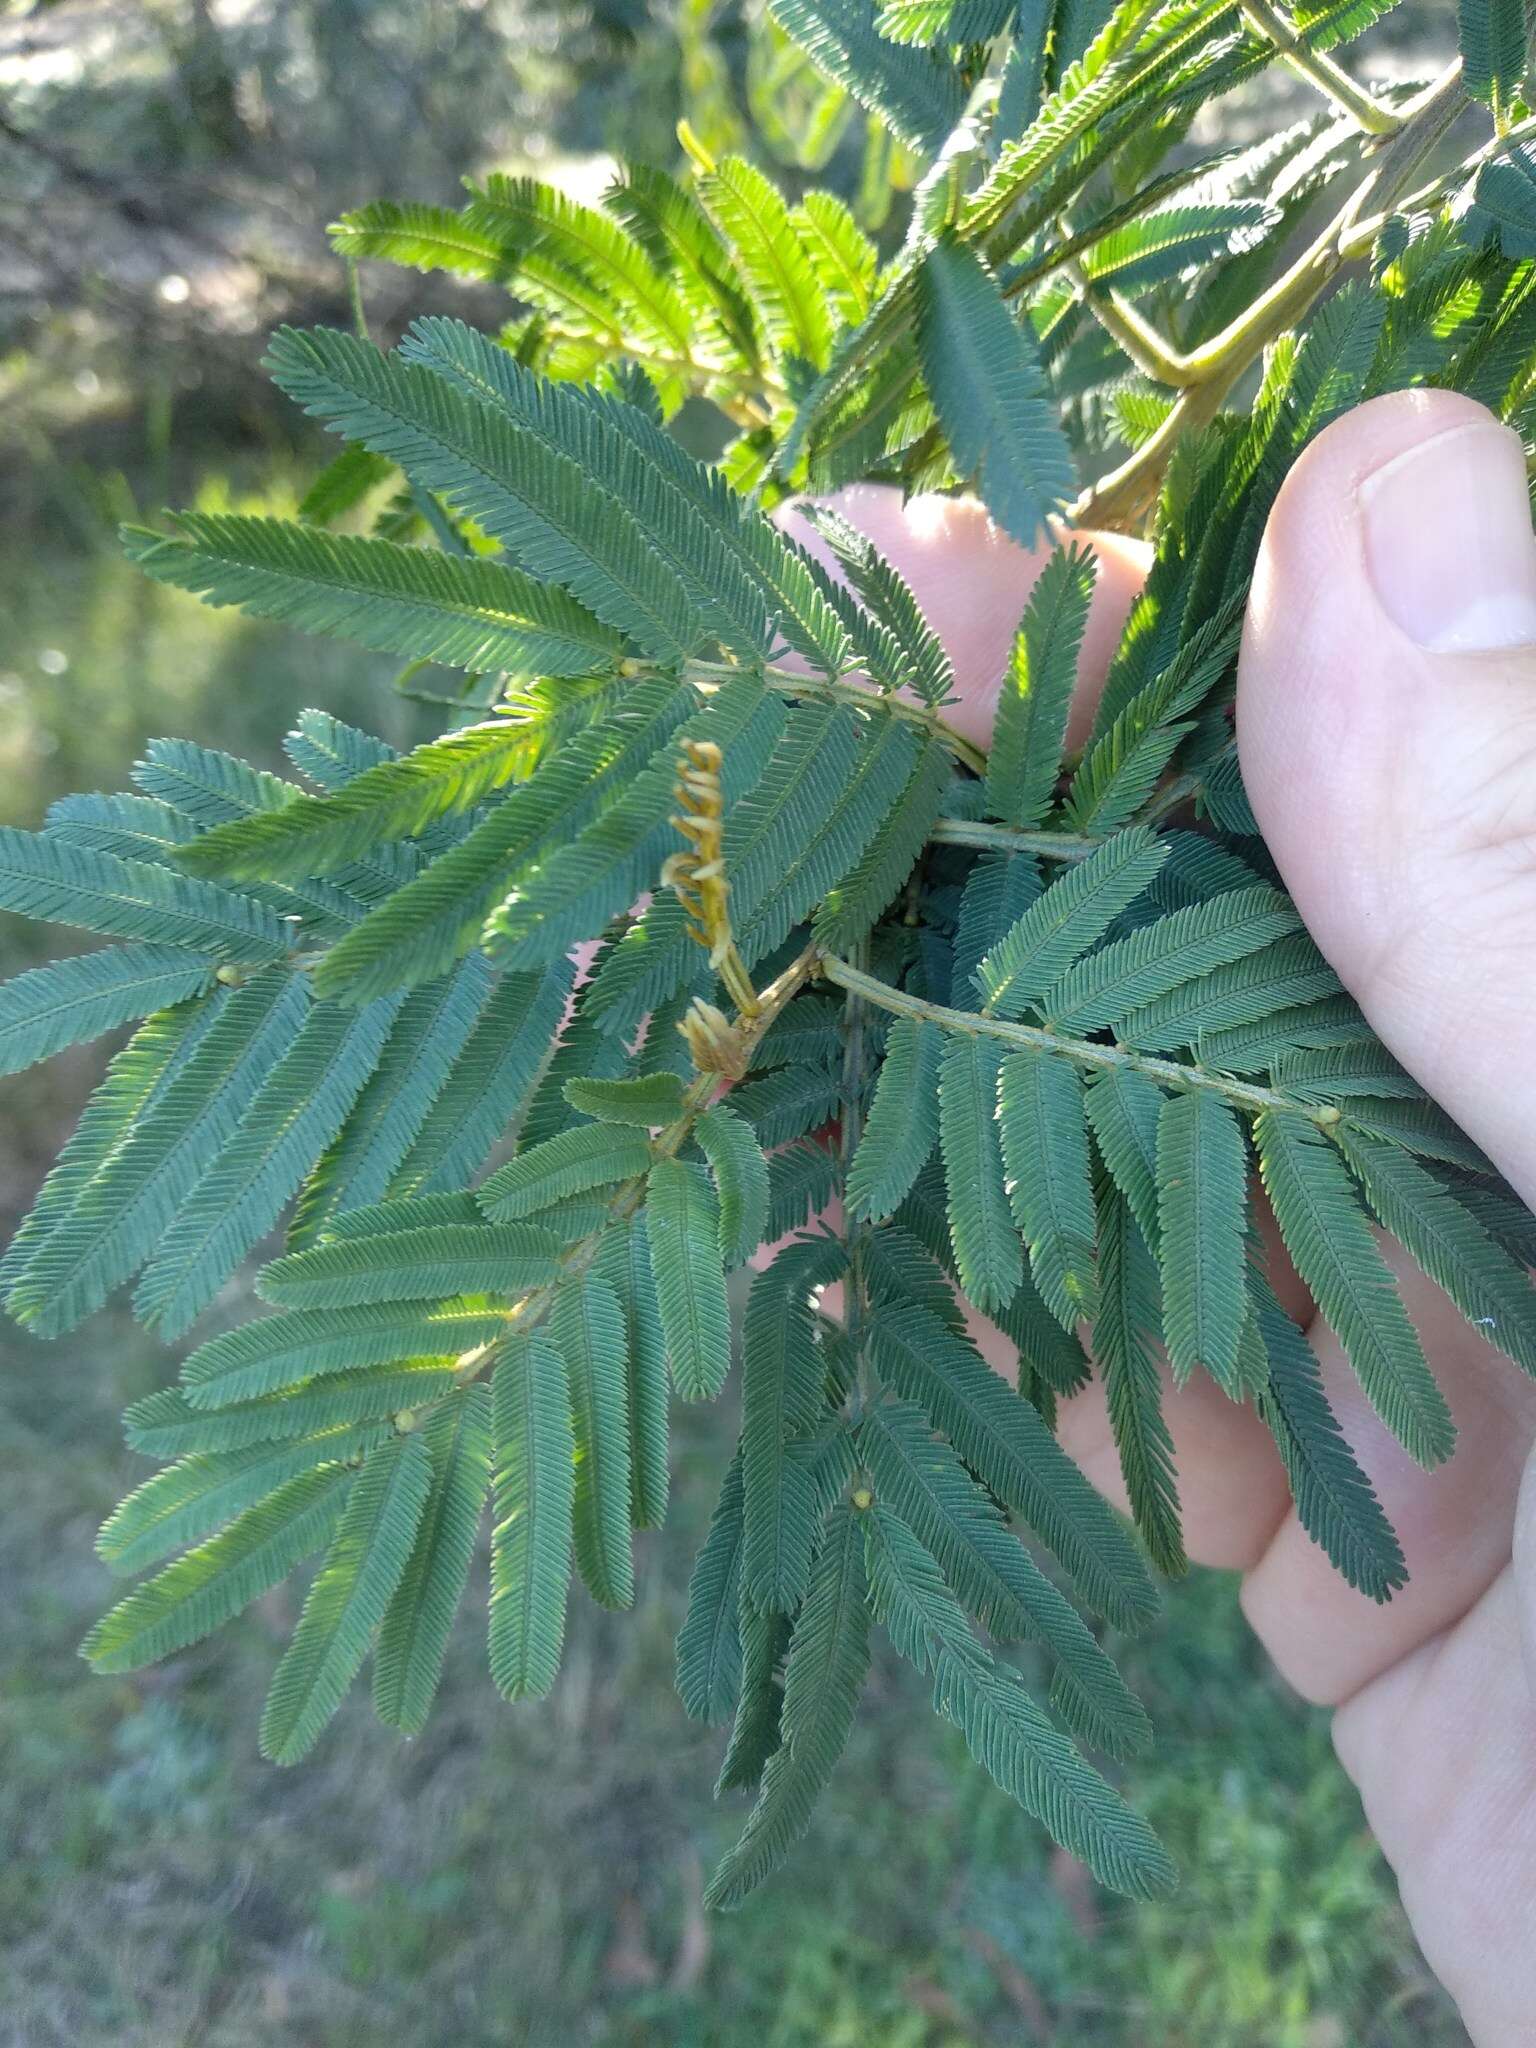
207	1587
709	1642
70	1001
195	1497
414	1265
533	1461
1326	1234
278	1352
903	1124
918	97
586	1156
986	1244
349	1597
774	262
1045	1155
740	1174
824	1674
460	610
1073	914
989	390
783	1375
682	1222
587	1328
413	1638
1036	695
1202	1176
648	1100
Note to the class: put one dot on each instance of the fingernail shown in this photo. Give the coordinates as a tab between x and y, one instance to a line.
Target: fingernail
1448	541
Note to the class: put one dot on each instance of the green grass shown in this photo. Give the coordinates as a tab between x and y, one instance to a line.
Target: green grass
529	1878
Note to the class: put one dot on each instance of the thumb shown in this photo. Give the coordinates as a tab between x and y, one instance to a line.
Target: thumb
1387	732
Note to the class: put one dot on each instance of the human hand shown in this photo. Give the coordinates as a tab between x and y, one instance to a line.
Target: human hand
1387	731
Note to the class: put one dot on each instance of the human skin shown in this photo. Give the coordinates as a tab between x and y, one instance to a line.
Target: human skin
1386	721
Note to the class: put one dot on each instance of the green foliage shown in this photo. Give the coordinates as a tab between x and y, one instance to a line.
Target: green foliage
1014	1019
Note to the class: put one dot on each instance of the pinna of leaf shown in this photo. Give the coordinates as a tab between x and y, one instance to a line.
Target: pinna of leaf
1047	996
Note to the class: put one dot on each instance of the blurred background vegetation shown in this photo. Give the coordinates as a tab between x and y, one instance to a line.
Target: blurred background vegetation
167	168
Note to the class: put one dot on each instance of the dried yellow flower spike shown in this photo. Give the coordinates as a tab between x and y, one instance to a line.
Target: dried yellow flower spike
698	875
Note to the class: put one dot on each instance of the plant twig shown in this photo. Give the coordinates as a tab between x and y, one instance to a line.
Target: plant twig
1319	70
1084	1052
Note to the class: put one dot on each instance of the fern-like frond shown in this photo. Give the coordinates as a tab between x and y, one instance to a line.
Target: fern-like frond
740	1174
349	1597
1003	1440
918	98
624	1261
823	1676
682	1222
782	1405
903	1123
460	610
414	1265
587	1156
413	1637
1202	1175
1072	915
709	1641
919	1476
533	1465
1045	1156
1008	1734
1036	695
587	1328
989	390
70	1001
279	1352
1125	1331
216	1581
1326	1234
986	1244
285	1127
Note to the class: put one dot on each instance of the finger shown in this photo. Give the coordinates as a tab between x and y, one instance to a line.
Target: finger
1455	1525
972	583
1387	728
1443	1749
